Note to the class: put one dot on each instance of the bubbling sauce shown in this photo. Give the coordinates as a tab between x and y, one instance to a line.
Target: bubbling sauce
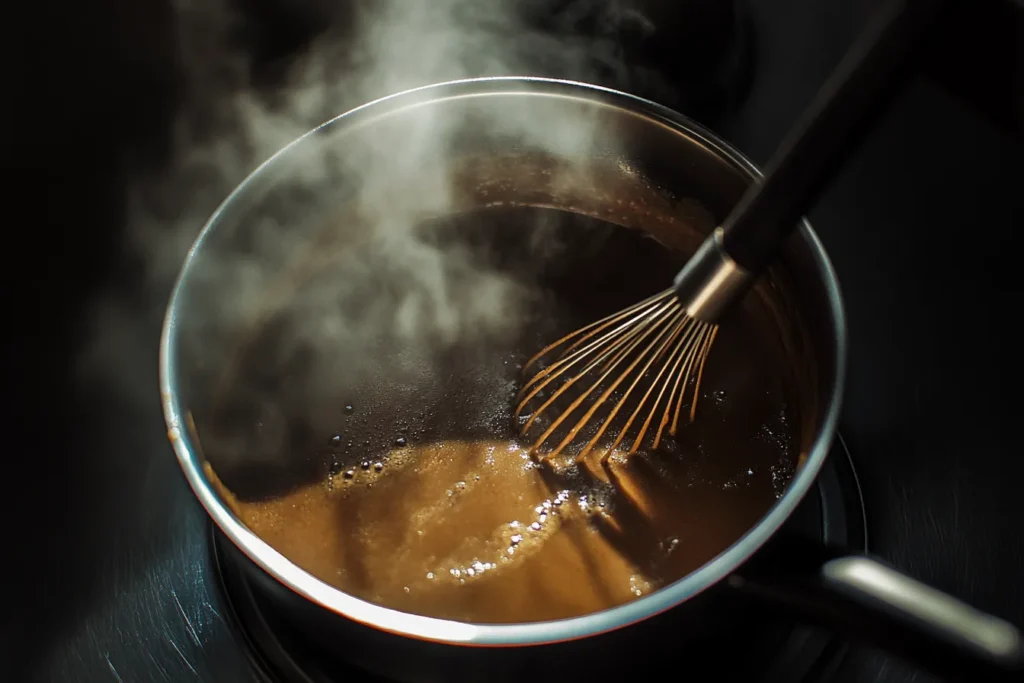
464	525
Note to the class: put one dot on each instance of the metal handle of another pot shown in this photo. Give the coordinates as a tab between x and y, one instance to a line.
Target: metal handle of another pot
872	602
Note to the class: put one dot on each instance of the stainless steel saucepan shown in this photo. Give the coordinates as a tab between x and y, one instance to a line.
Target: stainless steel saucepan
533	142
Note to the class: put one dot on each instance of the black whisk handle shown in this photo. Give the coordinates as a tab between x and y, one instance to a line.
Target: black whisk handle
836	120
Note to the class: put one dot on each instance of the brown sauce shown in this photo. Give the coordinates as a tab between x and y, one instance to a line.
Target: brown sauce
458	522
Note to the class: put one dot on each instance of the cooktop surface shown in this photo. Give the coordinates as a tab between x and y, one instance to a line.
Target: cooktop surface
112	571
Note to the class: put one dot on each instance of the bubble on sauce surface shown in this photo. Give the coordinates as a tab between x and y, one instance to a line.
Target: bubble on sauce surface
640	585
781	474
669	545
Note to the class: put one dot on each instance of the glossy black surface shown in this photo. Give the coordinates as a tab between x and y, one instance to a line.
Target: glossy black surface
108	575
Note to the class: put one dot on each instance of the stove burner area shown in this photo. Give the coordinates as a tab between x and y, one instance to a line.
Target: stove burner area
756	646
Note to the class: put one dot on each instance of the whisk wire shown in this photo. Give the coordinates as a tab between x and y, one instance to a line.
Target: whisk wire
603	323
683	363
659	347
678	394
680	328
630	342
563	363
617	347
654	303
624	348
700	371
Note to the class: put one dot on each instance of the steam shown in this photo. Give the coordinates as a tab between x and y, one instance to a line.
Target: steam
401	287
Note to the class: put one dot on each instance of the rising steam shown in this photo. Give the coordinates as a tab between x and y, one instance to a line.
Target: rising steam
227	126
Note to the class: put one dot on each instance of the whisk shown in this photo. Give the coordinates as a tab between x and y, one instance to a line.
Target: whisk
651	353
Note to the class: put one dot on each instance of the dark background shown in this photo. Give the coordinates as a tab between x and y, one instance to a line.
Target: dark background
924	228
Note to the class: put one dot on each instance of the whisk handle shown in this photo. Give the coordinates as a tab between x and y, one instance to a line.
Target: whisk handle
836	120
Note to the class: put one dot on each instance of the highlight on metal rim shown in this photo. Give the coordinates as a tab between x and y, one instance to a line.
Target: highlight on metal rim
645	357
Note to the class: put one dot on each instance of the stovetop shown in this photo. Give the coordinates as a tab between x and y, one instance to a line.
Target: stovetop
110	573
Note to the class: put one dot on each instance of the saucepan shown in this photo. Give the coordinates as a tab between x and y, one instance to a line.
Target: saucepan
455	147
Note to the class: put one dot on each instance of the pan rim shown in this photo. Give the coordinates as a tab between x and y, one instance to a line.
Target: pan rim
445	631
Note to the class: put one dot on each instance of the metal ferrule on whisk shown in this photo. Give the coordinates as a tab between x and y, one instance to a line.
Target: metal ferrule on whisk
711	280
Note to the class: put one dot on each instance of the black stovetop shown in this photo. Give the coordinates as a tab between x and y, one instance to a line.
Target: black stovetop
111	575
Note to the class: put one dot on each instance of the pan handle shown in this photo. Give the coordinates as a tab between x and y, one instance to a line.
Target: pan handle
872	602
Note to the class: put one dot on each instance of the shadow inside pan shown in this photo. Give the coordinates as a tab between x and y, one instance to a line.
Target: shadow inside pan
421	335
385	388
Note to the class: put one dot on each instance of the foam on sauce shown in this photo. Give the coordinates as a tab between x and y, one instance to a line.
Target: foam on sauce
475	531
